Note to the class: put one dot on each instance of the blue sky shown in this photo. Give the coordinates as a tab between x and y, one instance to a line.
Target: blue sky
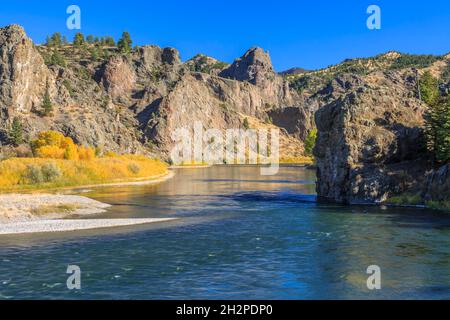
297	33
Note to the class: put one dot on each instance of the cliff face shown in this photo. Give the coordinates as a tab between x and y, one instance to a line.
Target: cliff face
370	141
131	103
23	74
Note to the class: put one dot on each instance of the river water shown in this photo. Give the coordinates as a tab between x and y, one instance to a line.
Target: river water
240	235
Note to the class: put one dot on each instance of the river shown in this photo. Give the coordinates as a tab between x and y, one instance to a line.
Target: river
239	235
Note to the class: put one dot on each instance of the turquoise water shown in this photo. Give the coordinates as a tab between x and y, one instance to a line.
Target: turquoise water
239	235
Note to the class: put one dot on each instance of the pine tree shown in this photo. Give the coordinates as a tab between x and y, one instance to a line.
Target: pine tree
109	41
437	119
56	39
441	116
48	41
90	39
429	88
125	43
47	106
16	132
78	40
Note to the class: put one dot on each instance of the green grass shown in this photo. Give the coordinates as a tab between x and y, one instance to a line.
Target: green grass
405	199
439	205
408	199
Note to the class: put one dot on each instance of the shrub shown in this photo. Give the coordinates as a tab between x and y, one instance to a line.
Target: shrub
111	154
32	175
54	145
23	151
48	138
7	154
50	172
98	151
55	59
310	142
50	152
71	152
246	124
134	168
405	199
86	153
69	88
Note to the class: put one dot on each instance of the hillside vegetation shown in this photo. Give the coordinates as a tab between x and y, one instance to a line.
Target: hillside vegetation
58	162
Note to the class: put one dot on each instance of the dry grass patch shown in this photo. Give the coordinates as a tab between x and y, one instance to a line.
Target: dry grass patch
52	209
37	173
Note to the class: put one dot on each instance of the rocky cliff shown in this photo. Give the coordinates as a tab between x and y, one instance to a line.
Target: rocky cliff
23	75
367	111
132	103
370	140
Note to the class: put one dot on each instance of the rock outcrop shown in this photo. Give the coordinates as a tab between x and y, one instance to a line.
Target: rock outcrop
79	108
131	103
205	64
215	102
254	66
23	74
370	141
118	77
438	185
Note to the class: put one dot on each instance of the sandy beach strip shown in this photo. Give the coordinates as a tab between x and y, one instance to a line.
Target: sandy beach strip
40	226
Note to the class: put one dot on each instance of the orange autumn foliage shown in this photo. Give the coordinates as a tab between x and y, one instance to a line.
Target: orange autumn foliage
54	145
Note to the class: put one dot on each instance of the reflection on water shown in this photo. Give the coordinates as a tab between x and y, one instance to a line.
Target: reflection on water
239	236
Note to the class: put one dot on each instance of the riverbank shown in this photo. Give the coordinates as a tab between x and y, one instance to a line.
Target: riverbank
60	225
15	208
32	174
39	212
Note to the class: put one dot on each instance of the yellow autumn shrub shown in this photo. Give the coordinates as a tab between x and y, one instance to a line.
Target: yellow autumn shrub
54	145
49	138
50	152
72	165
15	172
71	152
86	153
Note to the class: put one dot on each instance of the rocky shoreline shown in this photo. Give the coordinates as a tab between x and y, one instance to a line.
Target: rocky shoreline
16	208
39	212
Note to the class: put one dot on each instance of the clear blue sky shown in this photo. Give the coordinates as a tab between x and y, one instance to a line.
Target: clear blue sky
297	33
